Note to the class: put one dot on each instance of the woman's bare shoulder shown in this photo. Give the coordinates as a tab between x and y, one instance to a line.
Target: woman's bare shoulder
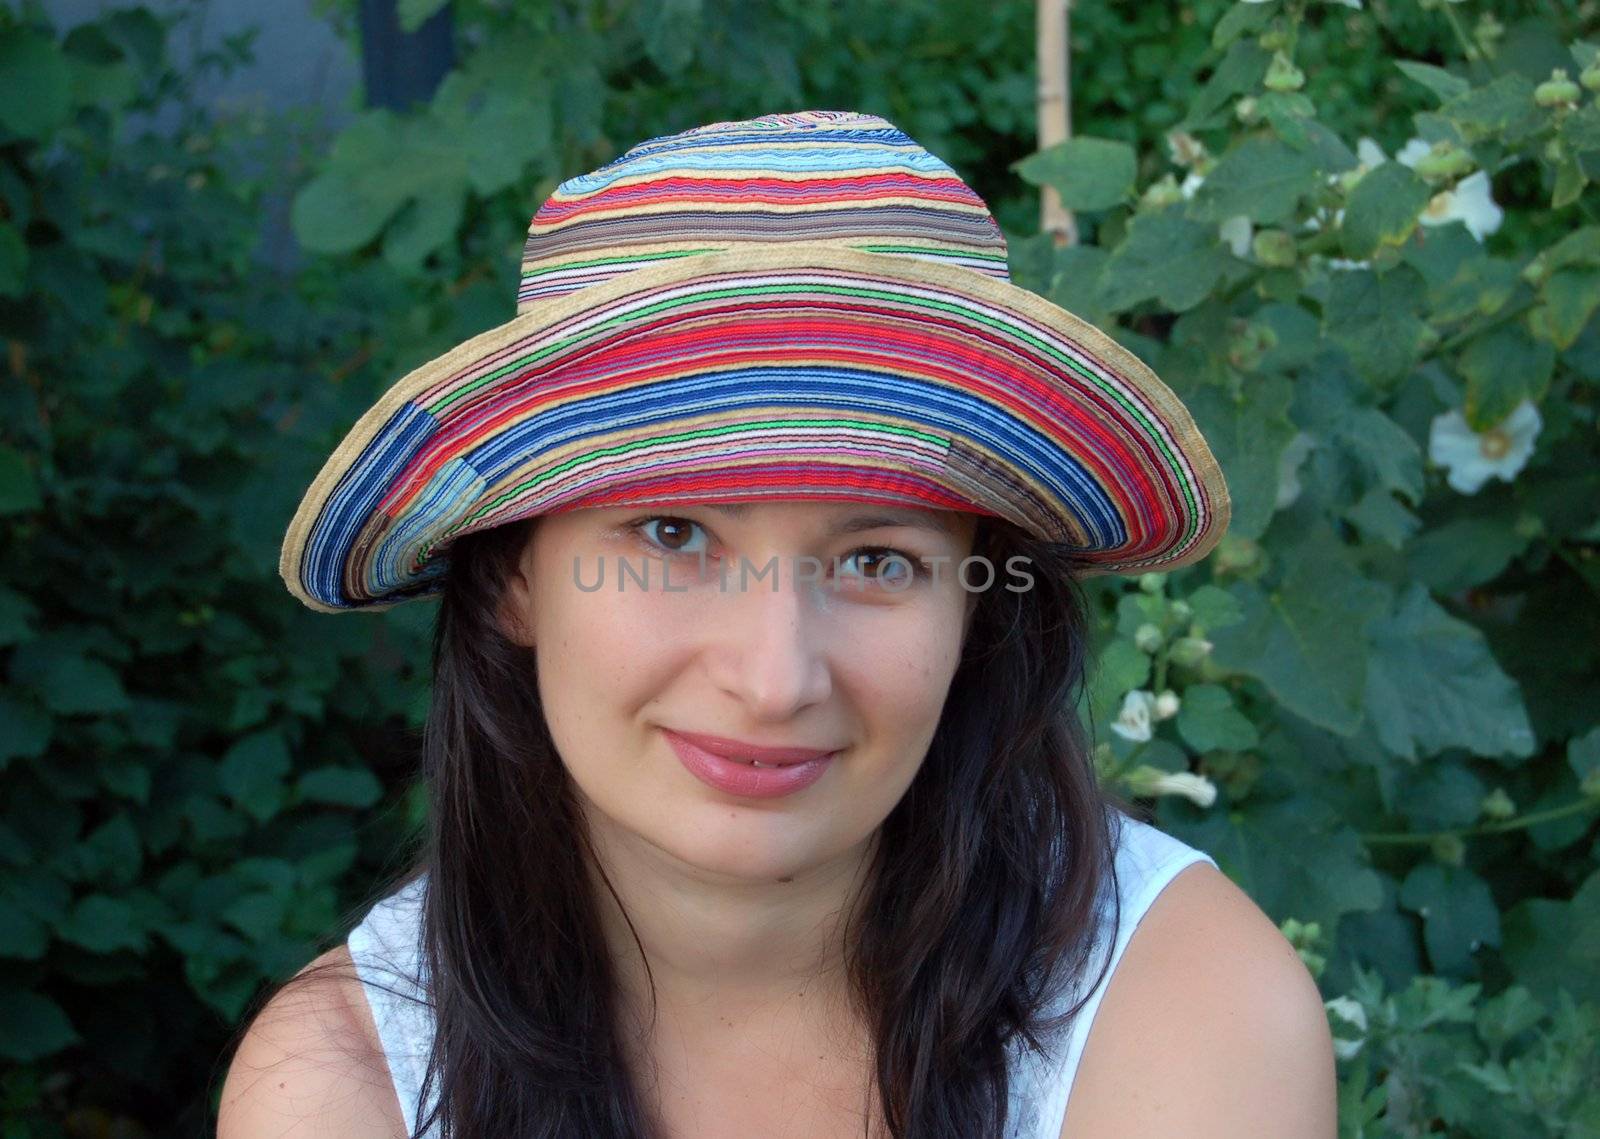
1210	1026
310	1064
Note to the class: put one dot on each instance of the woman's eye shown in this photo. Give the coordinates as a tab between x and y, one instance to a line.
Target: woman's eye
671	534
886	564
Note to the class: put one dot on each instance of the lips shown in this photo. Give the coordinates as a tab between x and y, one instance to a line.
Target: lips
748	753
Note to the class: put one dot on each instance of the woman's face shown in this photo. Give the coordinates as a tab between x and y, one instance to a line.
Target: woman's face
710	620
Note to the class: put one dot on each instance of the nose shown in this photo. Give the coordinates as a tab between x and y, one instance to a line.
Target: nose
768	648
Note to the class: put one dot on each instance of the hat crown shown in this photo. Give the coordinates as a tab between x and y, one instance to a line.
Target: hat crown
830	177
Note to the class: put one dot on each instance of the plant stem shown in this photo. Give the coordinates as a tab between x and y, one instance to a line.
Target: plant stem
1537	817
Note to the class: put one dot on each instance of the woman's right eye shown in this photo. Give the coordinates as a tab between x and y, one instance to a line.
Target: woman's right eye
671	534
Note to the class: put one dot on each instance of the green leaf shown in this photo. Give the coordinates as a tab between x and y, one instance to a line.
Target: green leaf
1241	69
1498	108
1295	858
37	82
1570	299
1120	669
1551	945
1260	178
1166	257
348	204
252	773
69	681
672	29
1503	367
1247	433
1240	20
103	924
341	786
32	1026
1305	639
1432	684
1464	552
1383	209
414	13
1379	515
18	489
13	261
1458	913
1436	79
1214	607
1207	720
1089	173
423	225
24	729
1375	318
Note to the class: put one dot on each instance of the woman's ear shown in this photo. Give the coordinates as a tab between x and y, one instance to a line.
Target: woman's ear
516	602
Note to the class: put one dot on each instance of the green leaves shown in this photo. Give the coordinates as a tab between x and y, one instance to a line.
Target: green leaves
252	772
1261	179
1459	915
1383	209
1376	318
1433	684
37	82
1165	257
1088	173
1247	431
1208	720
1304	639
1503	367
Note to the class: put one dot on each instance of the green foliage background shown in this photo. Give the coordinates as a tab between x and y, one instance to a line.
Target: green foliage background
1392	687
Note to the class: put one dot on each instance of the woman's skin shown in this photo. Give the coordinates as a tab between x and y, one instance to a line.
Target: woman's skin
737	901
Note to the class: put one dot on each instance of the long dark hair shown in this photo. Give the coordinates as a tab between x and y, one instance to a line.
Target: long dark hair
978	905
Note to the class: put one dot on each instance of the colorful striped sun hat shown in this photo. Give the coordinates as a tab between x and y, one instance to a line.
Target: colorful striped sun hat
796	306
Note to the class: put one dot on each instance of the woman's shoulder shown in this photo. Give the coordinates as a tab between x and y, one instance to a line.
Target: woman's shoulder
310	1063
1210	1025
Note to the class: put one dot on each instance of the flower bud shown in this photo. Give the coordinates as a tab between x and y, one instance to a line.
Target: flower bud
1247	110
1165	191
1189	651
1535	271
1274	248
1283	76
1148	638
1557	91
1152	582
1498	805
1590	76
1489	31
1167	704
1449	849
1444	160
1181	611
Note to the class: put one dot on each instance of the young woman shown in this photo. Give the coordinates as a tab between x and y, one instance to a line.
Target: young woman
758	802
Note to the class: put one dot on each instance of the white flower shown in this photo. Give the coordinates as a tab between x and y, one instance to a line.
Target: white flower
1346	263
1469	203
1472	457
1196	788
1191	183
1370	154
1289	466
1167	704
1412	152
1184	148
1236	233
1133	721
1345	1044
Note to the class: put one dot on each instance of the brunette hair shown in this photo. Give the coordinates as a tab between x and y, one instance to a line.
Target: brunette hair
979	903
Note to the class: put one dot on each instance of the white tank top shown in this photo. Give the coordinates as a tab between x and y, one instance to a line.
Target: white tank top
386	950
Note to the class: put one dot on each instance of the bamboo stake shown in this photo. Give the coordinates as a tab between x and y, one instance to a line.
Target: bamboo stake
1055	109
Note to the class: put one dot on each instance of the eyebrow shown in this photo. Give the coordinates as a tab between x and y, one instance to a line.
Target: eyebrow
938	523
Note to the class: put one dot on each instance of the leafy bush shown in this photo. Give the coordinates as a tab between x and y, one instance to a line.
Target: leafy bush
1375	704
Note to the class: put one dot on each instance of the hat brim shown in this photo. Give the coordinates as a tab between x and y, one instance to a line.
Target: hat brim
771	371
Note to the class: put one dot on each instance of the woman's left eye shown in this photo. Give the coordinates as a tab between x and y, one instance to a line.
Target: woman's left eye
894	565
